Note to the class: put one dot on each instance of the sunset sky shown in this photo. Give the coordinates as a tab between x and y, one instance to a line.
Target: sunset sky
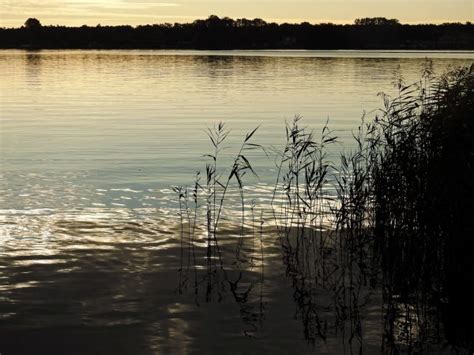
13	13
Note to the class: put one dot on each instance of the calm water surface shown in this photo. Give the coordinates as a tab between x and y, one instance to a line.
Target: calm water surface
75	123
91	144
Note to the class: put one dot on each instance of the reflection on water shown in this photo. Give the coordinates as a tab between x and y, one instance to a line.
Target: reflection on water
127	273
77	125
143	276
98	256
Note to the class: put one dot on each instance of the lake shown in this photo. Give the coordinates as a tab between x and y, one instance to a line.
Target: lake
92	143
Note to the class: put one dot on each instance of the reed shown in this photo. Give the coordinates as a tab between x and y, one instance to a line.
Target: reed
421	177
393	217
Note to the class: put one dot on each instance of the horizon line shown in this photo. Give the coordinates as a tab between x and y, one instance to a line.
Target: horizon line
191	20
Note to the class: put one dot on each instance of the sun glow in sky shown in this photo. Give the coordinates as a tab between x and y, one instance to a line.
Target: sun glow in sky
13	13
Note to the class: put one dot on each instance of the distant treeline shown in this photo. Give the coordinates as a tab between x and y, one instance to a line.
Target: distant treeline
227	33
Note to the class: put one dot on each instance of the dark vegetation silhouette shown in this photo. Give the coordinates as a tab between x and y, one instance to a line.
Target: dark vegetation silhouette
376	21
32	23
392	220
227	33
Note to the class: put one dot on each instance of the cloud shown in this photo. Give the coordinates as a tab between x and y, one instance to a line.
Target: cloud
159	4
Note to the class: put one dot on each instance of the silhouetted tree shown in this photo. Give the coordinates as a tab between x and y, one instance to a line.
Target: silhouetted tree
32	23
376	21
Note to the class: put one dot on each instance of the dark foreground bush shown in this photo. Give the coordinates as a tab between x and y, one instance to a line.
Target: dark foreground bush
423	189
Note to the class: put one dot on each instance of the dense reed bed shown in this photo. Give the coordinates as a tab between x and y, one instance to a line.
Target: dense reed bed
391	220
423	183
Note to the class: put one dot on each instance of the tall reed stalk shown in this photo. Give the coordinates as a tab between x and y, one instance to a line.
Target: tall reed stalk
393	218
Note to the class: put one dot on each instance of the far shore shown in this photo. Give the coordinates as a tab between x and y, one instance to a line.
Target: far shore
216	33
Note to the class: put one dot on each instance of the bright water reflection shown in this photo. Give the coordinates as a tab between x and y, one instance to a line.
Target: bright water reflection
117	128
90	244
